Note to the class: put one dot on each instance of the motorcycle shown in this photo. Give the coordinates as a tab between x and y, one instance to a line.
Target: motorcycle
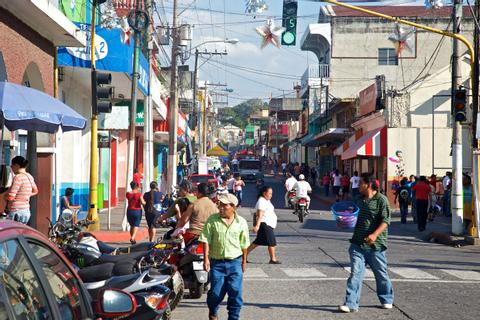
301	209
291	198
150	292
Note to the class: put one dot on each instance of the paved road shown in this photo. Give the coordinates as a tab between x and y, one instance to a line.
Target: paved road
431	281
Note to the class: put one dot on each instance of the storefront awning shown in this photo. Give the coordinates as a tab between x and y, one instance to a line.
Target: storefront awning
372	144
332	135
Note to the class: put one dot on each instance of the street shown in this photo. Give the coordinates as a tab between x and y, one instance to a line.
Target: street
431	281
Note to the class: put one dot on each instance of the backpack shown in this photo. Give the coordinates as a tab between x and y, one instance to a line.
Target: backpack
404	194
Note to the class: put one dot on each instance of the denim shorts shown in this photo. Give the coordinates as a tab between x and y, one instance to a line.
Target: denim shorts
134	217
22	216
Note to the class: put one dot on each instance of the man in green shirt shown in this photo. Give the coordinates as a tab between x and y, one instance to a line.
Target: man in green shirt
368	245
226	239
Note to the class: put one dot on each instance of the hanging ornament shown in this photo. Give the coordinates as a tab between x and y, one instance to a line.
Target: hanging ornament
270	34
255	6
402	38
433	4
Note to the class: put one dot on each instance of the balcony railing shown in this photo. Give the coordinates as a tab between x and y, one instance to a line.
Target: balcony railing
314	74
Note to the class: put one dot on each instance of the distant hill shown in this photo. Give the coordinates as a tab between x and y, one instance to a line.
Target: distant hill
239	114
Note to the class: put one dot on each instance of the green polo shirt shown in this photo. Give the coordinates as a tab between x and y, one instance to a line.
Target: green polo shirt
372	213
225	242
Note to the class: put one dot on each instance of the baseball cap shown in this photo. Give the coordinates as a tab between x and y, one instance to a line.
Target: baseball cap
228	199
301	177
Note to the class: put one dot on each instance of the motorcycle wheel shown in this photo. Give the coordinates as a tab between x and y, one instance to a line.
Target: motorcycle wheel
301	214
177	290
197	291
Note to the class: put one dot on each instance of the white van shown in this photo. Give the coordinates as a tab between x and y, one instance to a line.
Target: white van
213	162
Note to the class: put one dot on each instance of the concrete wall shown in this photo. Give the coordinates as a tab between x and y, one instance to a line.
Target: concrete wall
355	44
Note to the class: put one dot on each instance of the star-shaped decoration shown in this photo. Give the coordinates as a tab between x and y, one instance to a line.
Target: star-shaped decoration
403	38
270	34
255	6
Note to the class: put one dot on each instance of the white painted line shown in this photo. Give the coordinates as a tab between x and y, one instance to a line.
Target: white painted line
366	279
368	272
411	273
463	274
255	273
302	272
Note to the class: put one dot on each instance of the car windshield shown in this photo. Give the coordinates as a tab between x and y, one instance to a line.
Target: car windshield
201	179
250	164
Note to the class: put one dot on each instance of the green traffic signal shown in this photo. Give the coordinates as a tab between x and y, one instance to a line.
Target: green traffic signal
288	38
289	22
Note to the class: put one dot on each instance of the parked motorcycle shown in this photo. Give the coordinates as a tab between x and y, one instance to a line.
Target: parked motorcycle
150	292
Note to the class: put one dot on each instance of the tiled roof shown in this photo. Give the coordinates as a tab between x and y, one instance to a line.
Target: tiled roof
396	11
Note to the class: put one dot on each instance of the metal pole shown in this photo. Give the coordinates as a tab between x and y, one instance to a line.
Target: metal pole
93	197
172	138
109	207
148	120
204	121
457	186
475	142
131	127
197	109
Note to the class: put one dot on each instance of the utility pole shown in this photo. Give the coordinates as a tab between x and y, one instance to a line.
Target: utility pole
476	73
456	202
172	130
148	120
93	192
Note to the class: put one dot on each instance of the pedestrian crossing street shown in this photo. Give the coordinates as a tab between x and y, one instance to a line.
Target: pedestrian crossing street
397	274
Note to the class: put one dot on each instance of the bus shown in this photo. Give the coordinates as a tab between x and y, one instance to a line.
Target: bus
249	168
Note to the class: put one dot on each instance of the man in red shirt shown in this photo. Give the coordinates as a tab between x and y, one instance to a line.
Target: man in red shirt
422	195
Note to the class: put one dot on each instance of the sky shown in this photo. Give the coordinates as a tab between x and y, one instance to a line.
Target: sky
226	19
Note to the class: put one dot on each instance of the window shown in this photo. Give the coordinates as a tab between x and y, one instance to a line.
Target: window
20	286
63	283
387	57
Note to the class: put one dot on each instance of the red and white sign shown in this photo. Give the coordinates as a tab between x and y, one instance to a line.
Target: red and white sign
282	129
367	100
181	123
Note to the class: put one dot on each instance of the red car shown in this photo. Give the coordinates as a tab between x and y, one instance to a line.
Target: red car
209	179
40	283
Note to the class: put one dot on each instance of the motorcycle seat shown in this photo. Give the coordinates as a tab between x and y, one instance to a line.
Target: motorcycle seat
135	256
96	273
106	248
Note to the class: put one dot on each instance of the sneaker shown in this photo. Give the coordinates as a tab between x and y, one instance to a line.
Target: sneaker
274	262
387	306
346	309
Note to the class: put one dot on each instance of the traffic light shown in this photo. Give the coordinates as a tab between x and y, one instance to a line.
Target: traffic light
101	96
289	22
460	105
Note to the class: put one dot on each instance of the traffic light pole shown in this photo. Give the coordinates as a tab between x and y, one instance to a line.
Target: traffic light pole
93	184
456	197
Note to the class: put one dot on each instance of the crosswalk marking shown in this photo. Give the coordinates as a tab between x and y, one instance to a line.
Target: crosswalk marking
411	273
255	273
463	274
368	272
303	272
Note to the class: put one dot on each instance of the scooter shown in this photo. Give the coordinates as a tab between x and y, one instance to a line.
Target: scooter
291	198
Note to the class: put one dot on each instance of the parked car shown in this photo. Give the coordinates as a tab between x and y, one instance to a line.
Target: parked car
39	283
209	179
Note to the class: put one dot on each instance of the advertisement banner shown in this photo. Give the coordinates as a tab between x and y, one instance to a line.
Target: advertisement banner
111	54
367	100
281	130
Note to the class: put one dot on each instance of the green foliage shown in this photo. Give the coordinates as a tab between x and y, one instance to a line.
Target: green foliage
239	114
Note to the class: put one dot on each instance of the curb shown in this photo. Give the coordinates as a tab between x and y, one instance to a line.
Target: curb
120	236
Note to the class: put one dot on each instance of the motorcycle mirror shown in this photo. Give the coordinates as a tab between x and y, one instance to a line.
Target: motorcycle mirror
115	303
67	215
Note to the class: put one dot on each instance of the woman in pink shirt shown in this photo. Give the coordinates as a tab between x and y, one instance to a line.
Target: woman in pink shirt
22	188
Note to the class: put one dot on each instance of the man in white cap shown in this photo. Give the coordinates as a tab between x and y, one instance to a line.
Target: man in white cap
303	188
226	238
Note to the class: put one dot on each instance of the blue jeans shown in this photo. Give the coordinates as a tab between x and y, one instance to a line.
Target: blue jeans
377	261
355	193
226	276
20	215
446	204
403	211
326	188
239	195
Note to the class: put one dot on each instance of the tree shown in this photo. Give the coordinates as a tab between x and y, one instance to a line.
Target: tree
239	115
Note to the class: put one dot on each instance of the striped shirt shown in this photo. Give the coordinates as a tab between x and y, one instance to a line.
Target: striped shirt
372	213
225	242
23	187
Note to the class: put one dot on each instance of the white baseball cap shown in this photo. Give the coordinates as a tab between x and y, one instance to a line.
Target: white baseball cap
301	177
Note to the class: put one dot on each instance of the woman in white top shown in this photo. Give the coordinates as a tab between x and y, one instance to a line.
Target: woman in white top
264	223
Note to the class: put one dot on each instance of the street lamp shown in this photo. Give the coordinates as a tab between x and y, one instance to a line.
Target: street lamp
195	75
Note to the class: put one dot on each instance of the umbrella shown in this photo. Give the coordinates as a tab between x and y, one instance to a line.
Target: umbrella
33	110
217	151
